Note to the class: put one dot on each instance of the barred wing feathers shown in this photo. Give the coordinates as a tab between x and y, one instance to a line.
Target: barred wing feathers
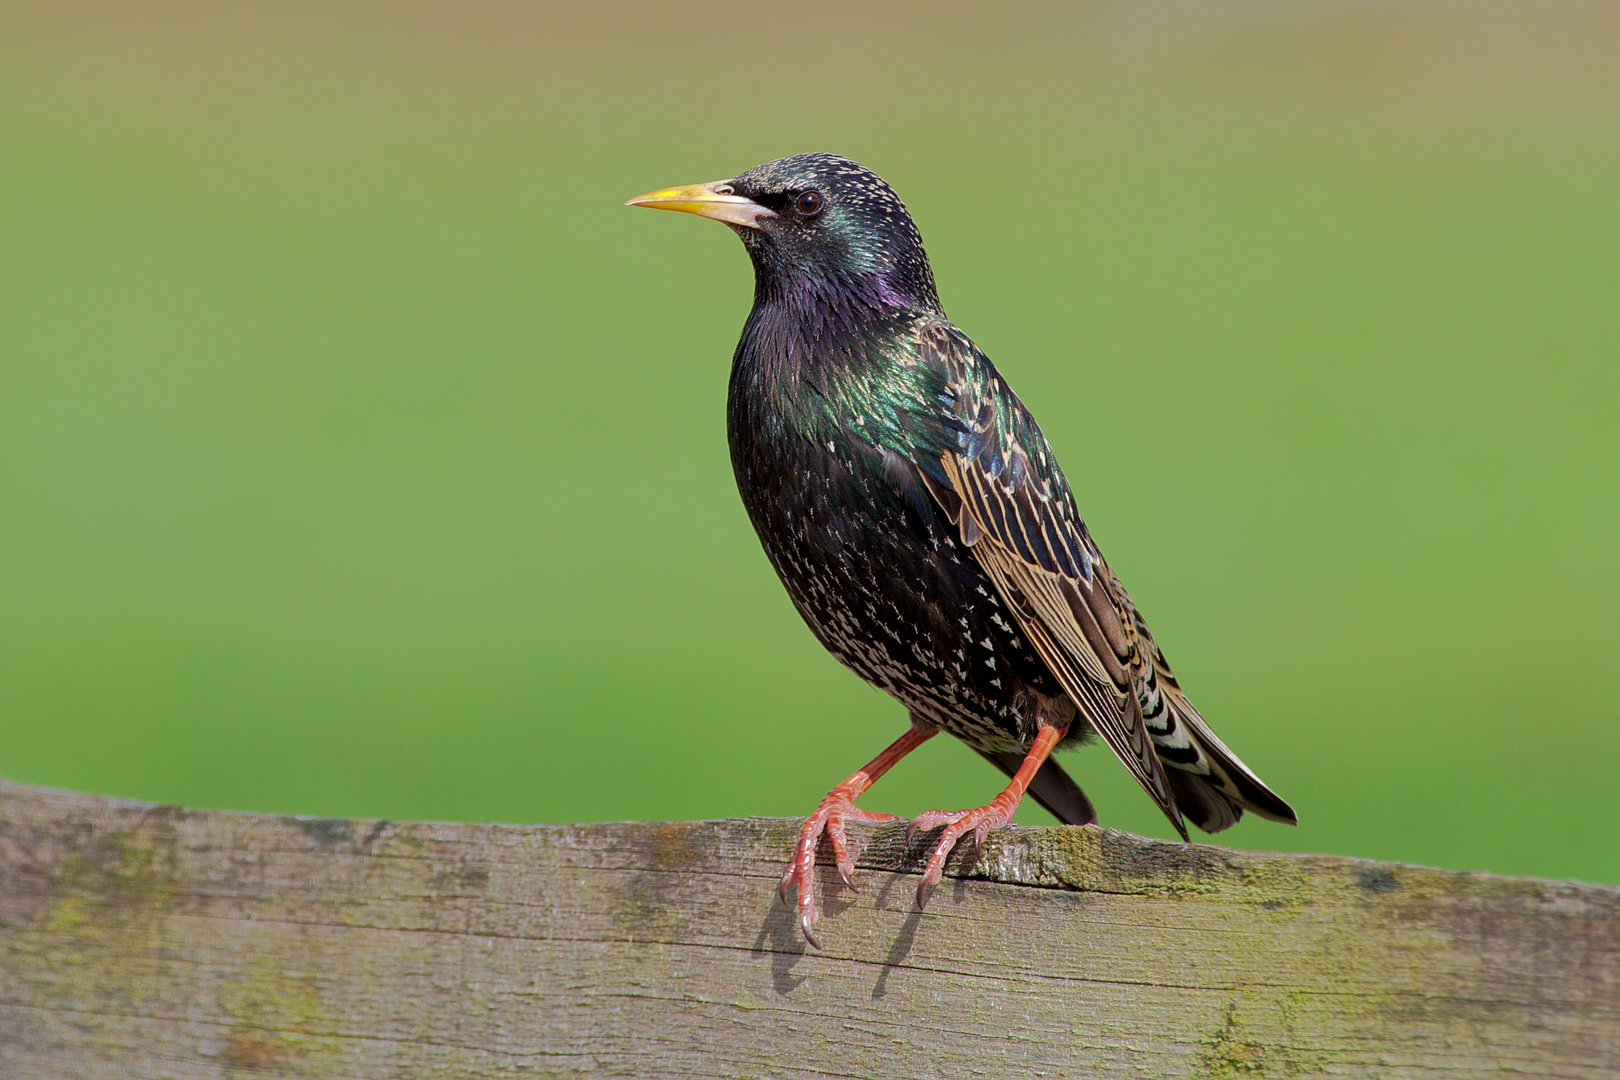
1018	518
998	481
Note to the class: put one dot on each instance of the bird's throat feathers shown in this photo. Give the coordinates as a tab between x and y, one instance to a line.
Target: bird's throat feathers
812	359
895	277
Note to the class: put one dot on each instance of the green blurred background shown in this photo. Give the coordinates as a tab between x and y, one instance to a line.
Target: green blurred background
360	454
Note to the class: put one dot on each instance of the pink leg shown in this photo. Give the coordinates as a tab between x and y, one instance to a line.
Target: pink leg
837	808
980	821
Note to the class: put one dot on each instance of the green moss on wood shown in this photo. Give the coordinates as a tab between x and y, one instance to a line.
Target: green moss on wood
278	1024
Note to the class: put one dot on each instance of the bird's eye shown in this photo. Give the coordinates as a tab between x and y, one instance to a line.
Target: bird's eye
809	203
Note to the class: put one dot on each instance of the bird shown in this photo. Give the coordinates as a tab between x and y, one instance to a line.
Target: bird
922	527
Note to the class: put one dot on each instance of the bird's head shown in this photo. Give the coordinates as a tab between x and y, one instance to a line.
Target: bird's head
814	223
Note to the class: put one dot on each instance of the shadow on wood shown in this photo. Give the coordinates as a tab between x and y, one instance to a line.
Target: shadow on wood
153	941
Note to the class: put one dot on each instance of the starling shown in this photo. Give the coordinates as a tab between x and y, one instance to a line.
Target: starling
923	529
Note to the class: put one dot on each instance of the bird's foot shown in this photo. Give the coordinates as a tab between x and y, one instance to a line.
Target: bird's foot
958	823
837	808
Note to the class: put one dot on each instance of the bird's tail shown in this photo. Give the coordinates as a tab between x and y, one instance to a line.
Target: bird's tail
1211	785
1216	787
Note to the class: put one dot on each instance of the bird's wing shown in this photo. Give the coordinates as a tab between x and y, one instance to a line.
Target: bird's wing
996	478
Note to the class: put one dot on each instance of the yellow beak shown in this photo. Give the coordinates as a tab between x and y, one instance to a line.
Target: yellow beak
713	200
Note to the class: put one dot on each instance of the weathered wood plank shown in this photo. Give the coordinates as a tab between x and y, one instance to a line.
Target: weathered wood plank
143	941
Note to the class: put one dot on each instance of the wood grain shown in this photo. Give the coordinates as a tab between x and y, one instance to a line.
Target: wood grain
150	941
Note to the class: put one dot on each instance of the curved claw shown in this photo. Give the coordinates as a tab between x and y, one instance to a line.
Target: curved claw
981	832
957	824
829	818
841	854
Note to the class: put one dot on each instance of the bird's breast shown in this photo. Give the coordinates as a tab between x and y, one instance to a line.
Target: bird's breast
879	575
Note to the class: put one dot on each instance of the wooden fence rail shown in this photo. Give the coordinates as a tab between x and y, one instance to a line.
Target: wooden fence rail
149	941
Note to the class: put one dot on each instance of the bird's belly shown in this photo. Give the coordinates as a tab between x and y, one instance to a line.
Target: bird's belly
897	599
